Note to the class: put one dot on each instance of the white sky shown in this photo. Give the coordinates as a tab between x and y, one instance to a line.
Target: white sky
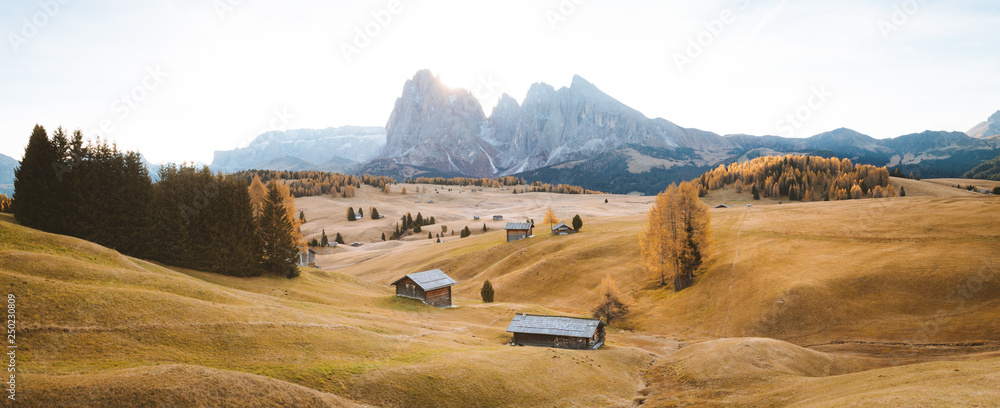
227	76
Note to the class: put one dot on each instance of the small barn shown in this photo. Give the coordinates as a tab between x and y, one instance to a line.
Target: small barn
475	217
307	258
562	229
497	218
722	206
432	287
557	331
517	231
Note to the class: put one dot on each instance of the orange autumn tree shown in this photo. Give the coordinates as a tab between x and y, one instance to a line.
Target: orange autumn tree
676	237
258	193
550	217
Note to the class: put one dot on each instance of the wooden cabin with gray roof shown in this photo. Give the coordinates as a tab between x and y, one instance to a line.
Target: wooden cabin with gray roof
517	231
433	287
557	331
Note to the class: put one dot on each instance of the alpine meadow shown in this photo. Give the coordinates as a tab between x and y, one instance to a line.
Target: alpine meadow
553	203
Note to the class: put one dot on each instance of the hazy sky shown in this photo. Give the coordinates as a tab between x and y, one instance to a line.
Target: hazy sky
179	79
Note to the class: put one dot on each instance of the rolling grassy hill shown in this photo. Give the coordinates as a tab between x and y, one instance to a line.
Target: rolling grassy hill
125	332
874	270
864	301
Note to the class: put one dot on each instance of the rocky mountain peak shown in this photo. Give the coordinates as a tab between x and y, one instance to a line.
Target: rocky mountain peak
991	127
435	126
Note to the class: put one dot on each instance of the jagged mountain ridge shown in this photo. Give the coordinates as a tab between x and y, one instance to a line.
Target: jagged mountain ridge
578	133
331	149
444	129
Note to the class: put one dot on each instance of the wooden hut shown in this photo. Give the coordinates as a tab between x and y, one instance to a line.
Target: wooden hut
562	229
517	231
557	331
497	218
307	258
432	287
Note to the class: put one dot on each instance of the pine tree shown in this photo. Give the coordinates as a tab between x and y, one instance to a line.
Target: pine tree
756	193
577	223
902	191
383	236
430	235
302	217
324	241
486	292
605	201
35	181
340	240
420	220
277	235
361	213
374	213
350	214
484	227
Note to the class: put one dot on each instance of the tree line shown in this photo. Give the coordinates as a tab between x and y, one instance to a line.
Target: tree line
800	178
308	183
190	218
467	181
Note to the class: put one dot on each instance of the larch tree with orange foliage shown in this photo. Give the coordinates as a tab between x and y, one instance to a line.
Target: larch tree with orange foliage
550	218
258	194
676	237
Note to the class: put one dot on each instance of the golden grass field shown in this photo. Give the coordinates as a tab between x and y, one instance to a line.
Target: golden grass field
854	303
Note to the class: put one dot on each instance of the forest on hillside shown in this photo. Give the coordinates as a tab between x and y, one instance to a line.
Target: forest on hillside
989	170
800	178
190	218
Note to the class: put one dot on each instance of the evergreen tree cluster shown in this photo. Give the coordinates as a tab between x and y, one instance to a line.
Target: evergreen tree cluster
190	218
465	232
800	178
408	223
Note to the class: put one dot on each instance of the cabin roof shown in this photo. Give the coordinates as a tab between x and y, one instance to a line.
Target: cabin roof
518	226
561	225
429	280
554	325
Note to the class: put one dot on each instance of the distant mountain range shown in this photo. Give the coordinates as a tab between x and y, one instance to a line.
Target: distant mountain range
575	135
331	149
7	166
